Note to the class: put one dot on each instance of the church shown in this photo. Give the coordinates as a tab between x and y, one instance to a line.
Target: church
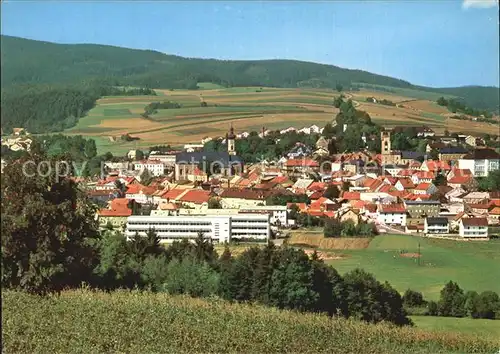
225	163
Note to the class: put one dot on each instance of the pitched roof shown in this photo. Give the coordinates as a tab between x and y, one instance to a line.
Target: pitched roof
437	221
246	194
139	188
173	193
301	206
425	174
392	208
437	165
482	154
317	186
423	186
475	221
459	180
351	195
197	196
406	183
453	150
301	163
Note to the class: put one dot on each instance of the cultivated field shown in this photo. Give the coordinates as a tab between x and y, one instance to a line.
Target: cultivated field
248	108
142	322
478	327
473	265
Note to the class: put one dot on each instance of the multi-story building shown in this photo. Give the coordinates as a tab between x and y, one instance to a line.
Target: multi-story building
473	228
481	162
391	214
219	228
452	153
418	210
436	226
155	167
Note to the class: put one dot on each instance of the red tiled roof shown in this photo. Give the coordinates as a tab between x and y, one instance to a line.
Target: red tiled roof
475	221
425	174
280	179
317	186
246	194
197	196
437	165
351	195
316	195
315	213
173	193
391	180
372	208
495	211
459	180
329	214
301	163
406	173
406	183
385	188
397	193
358	204
392	208
118	212
422	186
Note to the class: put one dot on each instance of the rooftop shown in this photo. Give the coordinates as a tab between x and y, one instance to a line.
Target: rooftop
475	221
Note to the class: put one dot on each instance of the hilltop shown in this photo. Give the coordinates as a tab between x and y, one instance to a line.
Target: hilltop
126	321
30	62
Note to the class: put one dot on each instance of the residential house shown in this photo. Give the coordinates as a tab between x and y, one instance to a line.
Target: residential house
418	210
425	188
474	228
408	157
474	141
404	184
348	215
452	153
298	167
423	177
476	197
436	226
139	193
154	167
116	214
435	166
194	198
391	214
481	162
236	198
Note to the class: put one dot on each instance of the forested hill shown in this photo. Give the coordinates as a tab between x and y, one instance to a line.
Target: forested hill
71	76
27	61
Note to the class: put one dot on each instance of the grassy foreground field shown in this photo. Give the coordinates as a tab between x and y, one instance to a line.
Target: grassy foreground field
95	322
248	108
473	265
479	327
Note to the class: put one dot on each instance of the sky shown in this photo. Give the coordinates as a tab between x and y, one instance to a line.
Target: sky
432	43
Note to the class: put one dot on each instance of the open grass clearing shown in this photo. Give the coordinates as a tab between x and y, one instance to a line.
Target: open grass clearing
470	264
467	326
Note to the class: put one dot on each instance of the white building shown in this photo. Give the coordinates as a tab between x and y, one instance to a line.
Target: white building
155	167
436	226
481	162
391	214
278	213
219	228
473	228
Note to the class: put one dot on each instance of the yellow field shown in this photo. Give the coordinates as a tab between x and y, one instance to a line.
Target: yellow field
317	240
248	109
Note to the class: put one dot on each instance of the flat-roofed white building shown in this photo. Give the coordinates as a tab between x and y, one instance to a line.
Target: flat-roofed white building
220	228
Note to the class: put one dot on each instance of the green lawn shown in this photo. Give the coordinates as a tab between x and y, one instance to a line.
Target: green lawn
209	86
412	93
474	265
479	327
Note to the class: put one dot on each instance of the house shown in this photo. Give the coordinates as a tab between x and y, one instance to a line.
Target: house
468	182
437	225
132	154
322	143
474	228
435	166
391	214
408	157
481	162
452	153
418	210
139	193
236	198
423	177
476	197
116	214
425	188
154	167
297	167
323	204
474	141
222	163
348	215
298	151
404	184
394	170
194	198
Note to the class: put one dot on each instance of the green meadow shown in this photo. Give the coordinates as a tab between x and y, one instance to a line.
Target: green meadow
473	265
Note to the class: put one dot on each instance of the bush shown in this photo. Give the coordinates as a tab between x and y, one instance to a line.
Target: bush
432	308
413	298
191	277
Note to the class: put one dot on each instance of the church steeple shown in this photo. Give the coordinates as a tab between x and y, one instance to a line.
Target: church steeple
230	138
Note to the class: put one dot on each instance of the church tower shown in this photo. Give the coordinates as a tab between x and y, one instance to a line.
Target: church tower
385	139
230	138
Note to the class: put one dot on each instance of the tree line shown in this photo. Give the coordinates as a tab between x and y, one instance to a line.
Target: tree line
153	107
456	106
455	302
54	108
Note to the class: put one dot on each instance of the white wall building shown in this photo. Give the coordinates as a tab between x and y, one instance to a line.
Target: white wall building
481	162
155	167
473	228
220	228
436	226
391	214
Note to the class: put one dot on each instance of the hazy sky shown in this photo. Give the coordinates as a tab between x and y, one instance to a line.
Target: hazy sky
434	43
